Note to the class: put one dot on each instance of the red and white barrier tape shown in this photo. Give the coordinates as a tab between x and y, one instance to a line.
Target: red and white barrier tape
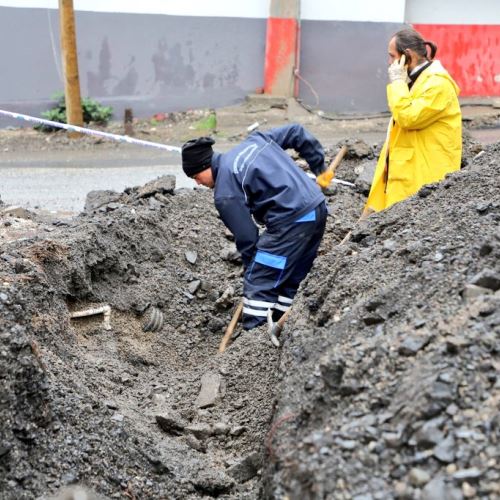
88	131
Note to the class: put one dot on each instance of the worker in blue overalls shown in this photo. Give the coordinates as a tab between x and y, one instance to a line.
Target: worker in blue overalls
258	179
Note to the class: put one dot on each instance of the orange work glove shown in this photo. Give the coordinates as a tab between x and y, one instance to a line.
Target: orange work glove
323	180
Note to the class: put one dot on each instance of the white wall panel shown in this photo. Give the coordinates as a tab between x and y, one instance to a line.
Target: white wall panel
202	8
453	11
388	11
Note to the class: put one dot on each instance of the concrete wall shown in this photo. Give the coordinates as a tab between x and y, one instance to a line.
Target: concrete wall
343	53
163	55
151	62
468	37
345	63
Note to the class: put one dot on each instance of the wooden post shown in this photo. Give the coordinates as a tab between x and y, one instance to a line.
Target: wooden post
128	119
74	115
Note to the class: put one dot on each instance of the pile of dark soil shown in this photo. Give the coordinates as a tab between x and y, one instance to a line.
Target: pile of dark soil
121	411
390	368
386	383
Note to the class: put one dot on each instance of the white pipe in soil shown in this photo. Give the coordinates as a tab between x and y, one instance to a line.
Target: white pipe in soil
106	310
88	131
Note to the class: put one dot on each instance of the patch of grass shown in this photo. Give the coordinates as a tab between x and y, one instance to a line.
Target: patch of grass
207	123
93	112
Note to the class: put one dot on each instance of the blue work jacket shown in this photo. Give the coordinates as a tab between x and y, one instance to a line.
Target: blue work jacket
258	178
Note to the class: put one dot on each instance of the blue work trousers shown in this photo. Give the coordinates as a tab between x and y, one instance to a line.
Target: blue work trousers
282	260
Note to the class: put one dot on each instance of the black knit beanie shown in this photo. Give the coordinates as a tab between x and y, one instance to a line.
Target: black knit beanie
197	155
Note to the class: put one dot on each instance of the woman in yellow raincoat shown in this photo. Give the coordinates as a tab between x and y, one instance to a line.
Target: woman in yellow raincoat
424	138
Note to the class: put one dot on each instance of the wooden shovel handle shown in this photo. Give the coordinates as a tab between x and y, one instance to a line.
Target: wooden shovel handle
230	328
281	321
336	161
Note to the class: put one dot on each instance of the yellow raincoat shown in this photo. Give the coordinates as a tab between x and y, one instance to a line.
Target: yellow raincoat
424	138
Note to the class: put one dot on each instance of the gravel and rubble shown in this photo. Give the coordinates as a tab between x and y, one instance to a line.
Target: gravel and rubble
127	412
390	366
386	385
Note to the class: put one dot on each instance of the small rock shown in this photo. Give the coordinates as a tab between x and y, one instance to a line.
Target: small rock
472	291
200	431
19	212
70	478
159	399
194	286
212	482
358	149
456	342
162	185
390	245
191	256
487	279
451	469
412	344
445	450
468	491
171	422
419	477
438	257
117	417
209	392
245	469
486	249
226	299
113	206
429	434
435	489
346	444
392	439
372	319
111	405
194	443
237	430
99	199
467	474
238	404
230	254
402	490
216	324
365	173
332	371
220	429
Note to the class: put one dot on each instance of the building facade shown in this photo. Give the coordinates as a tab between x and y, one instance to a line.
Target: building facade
165	55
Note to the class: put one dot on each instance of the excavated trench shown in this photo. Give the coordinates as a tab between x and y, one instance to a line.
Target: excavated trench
124	412
132	414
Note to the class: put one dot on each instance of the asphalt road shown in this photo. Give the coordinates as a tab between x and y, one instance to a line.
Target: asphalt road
60	181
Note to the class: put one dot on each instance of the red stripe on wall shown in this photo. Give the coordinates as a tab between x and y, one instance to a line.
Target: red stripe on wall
470	53
281	42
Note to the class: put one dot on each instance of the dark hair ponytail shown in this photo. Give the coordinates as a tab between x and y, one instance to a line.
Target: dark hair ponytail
433	49
411	39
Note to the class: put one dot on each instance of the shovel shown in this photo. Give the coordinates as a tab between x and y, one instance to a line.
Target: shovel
274	329
334	165
230	328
